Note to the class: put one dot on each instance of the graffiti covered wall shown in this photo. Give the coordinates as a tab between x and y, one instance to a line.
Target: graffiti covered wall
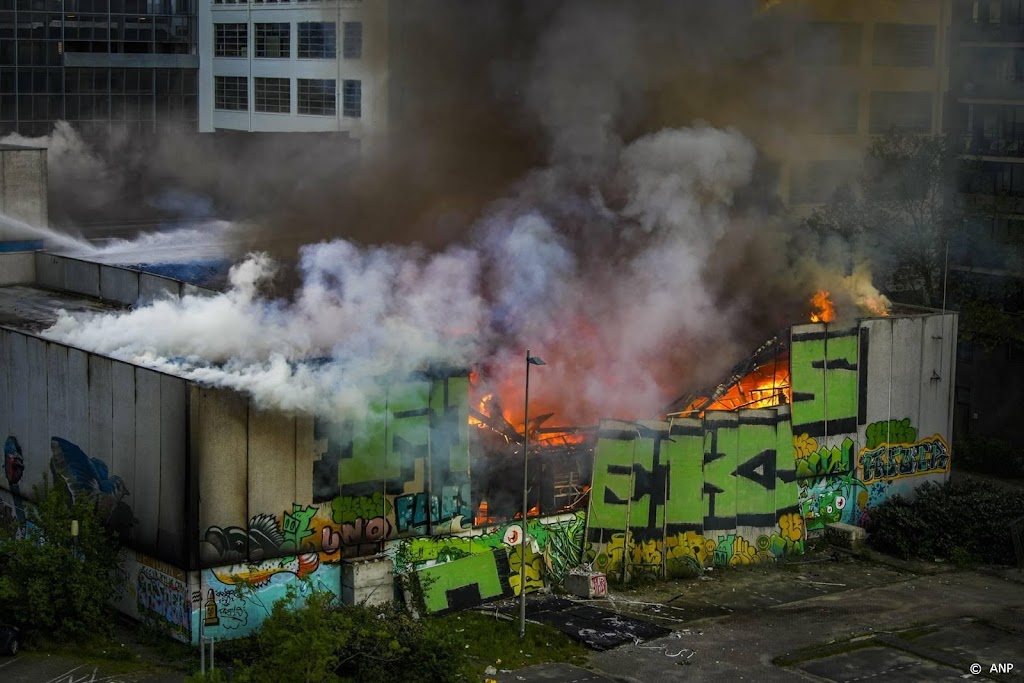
673	497
157	594
553	546
99	428
232	601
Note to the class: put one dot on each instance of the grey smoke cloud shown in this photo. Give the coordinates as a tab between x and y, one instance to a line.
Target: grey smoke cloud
633	251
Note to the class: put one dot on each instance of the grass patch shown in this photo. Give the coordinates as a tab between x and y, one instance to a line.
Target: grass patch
829	650
492	641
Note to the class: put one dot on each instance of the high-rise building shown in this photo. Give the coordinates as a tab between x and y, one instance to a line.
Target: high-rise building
987	115
302	66
865	68
102	65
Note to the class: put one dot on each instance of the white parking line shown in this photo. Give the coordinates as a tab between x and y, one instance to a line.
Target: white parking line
16	659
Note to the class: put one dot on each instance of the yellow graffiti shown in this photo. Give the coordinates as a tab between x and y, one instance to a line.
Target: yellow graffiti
534	569
804	445
743	553
792	527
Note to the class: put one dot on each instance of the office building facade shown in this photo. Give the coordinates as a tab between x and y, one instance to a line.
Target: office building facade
102	65
304	66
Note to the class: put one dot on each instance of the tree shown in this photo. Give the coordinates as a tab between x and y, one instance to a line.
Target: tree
51	582
900	213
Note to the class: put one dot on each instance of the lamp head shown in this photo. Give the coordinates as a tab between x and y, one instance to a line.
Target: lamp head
535	360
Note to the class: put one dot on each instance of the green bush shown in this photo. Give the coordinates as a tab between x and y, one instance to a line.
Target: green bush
986	455
322	640
51	583
963	521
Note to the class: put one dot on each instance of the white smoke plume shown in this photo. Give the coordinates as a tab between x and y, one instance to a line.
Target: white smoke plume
635	262
613	311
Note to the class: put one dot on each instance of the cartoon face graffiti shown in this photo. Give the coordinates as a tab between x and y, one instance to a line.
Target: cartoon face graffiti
830	507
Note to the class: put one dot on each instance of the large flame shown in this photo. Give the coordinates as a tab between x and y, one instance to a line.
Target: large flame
766	386
824	310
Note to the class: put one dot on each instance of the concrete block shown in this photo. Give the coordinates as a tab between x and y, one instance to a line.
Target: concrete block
593	585
845	536
368	595
367	579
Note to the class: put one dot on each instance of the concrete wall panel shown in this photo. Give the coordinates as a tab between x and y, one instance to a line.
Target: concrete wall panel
101	410
56	390
5	384
119	284
33	433
123	441
17	268
305	453
153	287
23	190
271	471
82	277
50	270
17	386
220	448
906	370
146	495
935	376
173	487
878	358
78	396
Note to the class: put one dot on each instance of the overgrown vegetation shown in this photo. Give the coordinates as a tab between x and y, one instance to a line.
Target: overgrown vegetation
987	455
321	640
52	583
964	521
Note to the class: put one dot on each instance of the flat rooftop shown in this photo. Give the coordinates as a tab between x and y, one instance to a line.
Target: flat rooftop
33	309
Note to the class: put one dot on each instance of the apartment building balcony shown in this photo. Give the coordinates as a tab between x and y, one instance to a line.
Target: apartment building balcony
976	145
992	88
984	32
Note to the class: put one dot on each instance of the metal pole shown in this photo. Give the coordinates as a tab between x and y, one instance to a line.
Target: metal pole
522	540
202	655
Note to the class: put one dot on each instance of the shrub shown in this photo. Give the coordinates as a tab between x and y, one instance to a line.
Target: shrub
986	455
51	583
322	640
961	520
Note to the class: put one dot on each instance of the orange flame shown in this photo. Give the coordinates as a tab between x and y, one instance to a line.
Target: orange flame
766	386
824	309
876	305
483	514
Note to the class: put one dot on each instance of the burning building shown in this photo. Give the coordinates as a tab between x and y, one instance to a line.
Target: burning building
209	490
344	433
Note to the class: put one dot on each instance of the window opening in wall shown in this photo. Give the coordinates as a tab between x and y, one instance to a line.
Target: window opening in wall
317	39
353	34
273	95
231	93
352	99
318	96
231	40
273	41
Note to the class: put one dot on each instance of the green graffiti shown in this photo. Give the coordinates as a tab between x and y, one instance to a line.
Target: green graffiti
827	461
683	454
558	542
721	451
347	509
892	432
824	382
465	582
296	525
755	470
787	492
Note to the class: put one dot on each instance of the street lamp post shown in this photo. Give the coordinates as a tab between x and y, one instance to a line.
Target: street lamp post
530	360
